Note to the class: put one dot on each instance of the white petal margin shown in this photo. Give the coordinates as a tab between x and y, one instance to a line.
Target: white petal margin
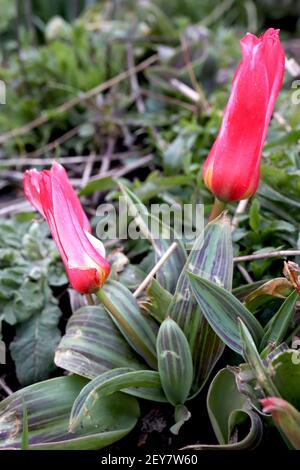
97	244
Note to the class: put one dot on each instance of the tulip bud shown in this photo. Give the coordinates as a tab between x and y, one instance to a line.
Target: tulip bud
232	168
286	417
83	255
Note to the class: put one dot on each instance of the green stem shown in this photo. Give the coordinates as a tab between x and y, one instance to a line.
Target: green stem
217	209
90	299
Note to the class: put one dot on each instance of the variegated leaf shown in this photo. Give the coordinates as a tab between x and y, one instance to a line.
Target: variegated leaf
92	344
229	410
175	363
122	379
139	330
48	406
222	310
212	258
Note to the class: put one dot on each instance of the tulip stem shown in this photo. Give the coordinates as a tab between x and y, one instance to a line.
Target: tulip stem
217	209
89	299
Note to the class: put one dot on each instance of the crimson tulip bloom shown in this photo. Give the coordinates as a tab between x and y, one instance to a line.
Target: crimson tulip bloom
285	416
232	168
51	193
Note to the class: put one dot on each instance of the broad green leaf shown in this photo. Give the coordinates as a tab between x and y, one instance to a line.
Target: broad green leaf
140	331
222	310
223	398
17	289
122	379
49	405
160	236
92	344
252	356
276	329
285	370
33	347
211	256
175	363
228	410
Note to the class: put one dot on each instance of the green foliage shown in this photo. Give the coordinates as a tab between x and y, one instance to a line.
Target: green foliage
175	362
92	344
214	243
113	417
54	73
108	383
30	268
34	344
229	412
222	310
139	331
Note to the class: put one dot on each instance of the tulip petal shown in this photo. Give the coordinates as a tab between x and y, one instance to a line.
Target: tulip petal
82	254
84	280
285	416
232	168
60	173
32	189
97	244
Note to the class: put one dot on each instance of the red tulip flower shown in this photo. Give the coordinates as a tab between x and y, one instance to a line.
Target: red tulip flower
285	416
51	193
232	168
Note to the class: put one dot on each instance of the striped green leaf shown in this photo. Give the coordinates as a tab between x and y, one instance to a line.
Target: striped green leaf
93	344
175	363
122	379
229	412
276	329
48	406
211	256
140	331
160	236
222	310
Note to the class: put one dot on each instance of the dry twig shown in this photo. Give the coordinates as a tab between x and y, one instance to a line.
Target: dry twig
5	387
155	269
271	254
